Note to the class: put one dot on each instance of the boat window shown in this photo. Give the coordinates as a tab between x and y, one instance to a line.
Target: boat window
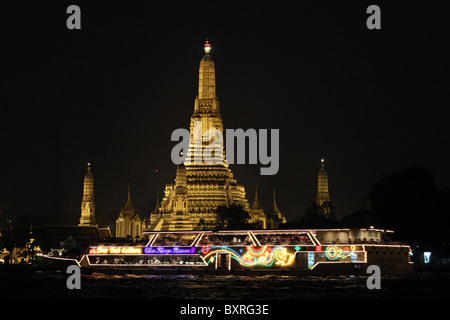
156	260
226	239
173	239
294	238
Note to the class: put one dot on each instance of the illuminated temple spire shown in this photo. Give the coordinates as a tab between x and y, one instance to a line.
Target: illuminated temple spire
275	218
207	98
128	205
275	208
206	111
88	203
202	185
277	213
256	205
322	185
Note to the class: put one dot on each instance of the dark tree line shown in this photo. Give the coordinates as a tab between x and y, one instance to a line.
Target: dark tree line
409	203
233	217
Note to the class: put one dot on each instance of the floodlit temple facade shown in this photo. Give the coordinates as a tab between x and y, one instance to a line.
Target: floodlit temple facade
200	187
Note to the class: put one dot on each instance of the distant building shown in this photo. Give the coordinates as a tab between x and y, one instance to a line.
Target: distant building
129	224
323	195
275	218
88	203
257	208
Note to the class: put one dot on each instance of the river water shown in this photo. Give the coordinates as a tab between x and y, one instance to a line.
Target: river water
43	285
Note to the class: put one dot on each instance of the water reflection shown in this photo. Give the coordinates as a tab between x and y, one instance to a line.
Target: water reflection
52	285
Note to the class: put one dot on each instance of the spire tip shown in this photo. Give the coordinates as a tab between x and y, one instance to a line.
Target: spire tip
207	46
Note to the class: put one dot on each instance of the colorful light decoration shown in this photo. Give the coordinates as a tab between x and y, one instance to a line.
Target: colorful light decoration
246	256
205	250
283	258
334	253
265	256
165	250
207	47
115	250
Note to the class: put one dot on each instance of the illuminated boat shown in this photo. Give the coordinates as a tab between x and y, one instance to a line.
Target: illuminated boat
306	251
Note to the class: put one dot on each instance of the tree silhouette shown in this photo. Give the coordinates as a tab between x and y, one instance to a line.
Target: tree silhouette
359	219
319	216
204	225
409	203
233	217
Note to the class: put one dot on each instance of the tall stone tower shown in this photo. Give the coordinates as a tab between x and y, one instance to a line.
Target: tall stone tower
200	187
88	203
323	194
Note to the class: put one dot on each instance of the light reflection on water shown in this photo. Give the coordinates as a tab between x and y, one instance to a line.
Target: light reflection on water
225	286
52	285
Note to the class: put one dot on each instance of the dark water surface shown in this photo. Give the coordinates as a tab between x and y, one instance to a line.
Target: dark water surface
41	285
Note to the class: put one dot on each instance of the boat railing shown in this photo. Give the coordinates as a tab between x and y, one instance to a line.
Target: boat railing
231	238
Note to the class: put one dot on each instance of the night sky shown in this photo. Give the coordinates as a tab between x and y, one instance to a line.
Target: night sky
368	101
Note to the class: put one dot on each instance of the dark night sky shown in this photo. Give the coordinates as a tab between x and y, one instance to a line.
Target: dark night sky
368	101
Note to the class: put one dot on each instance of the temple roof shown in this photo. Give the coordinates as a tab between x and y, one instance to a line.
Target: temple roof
128	210
256	205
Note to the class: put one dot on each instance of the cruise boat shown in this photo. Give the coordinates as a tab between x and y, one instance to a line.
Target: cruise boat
299	251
